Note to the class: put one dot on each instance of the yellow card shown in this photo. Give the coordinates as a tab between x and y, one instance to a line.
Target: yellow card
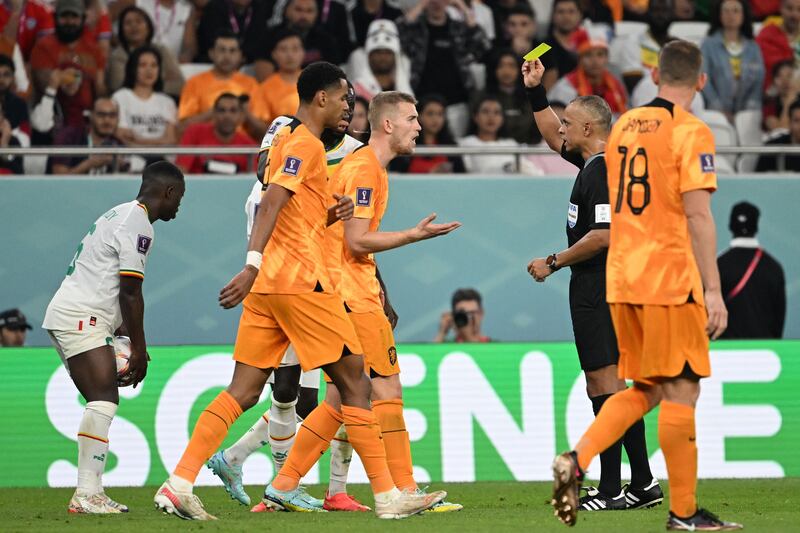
537	52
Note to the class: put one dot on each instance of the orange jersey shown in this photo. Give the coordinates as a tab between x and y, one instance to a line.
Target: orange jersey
202	90
278	97
362	177
654	154
294	256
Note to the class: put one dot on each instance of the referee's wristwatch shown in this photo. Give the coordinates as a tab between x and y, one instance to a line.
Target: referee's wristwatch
552	262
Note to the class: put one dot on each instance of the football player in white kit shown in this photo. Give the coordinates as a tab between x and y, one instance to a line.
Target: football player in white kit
102	291
294	393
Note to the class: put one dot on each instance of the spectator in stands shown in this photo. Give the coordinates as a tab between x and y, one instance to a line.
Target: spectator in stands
9	164
380	65
634	9
435	132
684	9
519	30
732	61
752	280
504	80
13	328
15	109
592	77
320	45
784	90
636	55
135	29
359	124
97	28
762	9
147	116
361	14
174	24
103	121
784	163
598	13
441	52
81	62
279	91
247	19
564	36
227	116
201	91
37	18
501	10
480	12
465	318
775	39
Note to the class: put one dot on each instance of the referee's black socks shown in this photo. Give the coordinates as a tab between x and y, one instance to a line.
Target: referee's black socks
610	460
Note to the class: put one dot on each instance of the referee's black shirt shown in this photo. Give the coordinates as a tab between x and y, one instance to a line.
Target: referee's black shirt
588	206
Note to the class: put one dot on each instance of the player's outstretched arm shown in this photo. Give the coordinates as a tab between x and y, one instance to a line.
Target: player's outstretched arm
697	207
361	241
274	199
131	305
546	119
587	247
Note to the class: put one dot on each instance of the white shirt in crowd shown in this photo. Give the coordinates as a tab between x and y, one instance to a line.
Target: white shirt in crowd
118	243
169	23
496	164
634	54
147	119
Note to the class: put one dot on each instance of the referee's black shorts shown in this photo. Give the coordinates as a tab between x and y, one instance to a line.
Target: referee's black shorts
591	321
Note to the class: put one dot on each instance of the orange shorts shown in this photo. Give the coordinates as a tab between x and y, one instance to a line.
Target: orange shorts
315	323
377	340
658	341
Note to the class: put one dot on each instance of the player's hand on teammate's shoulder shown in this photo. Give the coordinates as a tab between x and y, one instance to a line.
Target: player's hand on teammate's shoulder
238	288
426	229
344	207
539	269
717	314
532	72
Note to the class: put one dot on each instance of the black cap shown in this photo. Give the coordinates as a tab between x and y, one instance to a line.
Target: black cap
13	319
744	220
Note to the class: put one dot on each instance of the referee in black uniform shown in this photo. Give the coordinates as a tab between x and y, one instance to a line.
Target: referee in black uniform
581	141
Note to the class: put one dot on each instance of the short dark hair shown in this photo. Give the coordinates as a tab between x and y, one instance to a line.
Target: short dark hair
162	170
794	106
444	137
318	76
521	9
776	68
225	96
283	33
6	61
147	20
132	66
747	19
576	2
680	63
476	107
224	33
598	108
466	295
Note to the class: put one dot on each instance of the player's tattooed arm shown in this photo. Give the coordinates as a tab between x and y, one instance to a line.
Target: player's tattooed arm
131	305
391	314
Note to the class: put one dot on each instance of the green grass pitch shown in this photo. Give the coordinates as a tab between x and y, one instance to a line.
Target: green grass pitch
762	505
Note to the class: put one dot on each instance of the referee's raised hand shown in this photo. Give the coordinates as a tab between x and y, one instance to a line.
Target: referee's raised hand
532	72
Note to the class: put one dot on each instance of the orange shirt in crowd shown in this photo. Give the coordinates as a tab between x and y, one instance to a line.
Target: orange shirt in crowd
202	90
279	97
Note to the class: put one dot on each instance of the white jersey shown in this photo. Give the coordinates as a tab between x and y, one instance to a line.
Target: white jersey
334	156
117	245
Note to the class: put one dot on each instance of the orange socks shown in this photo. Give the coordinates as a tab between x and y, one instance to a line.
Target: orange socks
209	432
619	413
312	439
365	436
676	434
395	439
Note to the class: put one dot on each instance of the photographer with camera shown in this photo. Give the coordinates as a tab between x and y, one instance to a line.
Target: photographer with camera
464	318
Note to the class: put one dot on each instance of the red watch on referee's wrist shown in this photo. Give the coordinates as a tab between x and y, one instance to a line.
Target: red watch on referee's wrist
552	262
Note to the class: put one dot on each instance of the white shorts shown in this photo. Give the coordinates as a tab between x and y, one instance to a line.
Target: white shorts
308	380
71	343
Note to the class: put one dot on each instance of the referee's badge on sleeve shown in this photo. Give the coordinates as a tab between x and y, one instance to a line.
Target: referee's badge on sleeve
602	214
707	162
572	215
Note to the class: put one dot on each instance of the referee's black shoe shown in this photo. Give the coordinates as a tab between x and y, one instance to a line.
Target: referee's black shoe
649	496
701	520
594	500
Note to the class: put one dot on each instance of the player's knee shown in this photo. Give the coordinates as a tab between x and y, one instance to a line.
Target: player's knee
306	401
285	392
355	388
245	399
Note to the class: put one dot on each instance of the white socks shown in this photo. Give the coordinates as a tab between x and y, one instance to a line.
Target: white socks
341	454
256	437
180	484
93	445
282	430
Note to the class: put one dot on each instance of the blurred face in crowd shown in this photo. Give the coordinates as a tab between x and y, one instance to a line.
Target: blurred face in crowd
241	4
790	12
105	117
134	27
381	62
566	17
147	71
69	27
288	54
594	62
6	79
12	337
226	55
405	128
783	79
302	14
507	71
794	126
489	118
731	14
431	118
520	27
359	123
436	7
227	116
659	15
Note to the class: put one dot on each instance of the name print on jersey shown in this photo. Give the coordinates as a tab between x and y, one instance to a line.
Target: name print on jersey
642	125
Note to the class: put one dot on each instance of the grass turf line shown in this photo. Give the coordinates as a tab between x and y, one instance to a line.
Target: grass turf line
762	505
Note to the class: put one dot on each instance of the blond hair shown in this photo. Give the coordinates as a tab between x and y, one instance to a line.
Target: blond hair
383	102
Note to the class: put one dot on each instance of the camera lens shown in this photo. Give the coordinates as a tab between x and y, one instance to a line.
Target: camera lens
460	319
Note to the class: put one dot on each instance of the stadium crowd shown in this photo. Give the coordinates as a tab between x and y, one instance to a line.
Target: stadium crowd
217	72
